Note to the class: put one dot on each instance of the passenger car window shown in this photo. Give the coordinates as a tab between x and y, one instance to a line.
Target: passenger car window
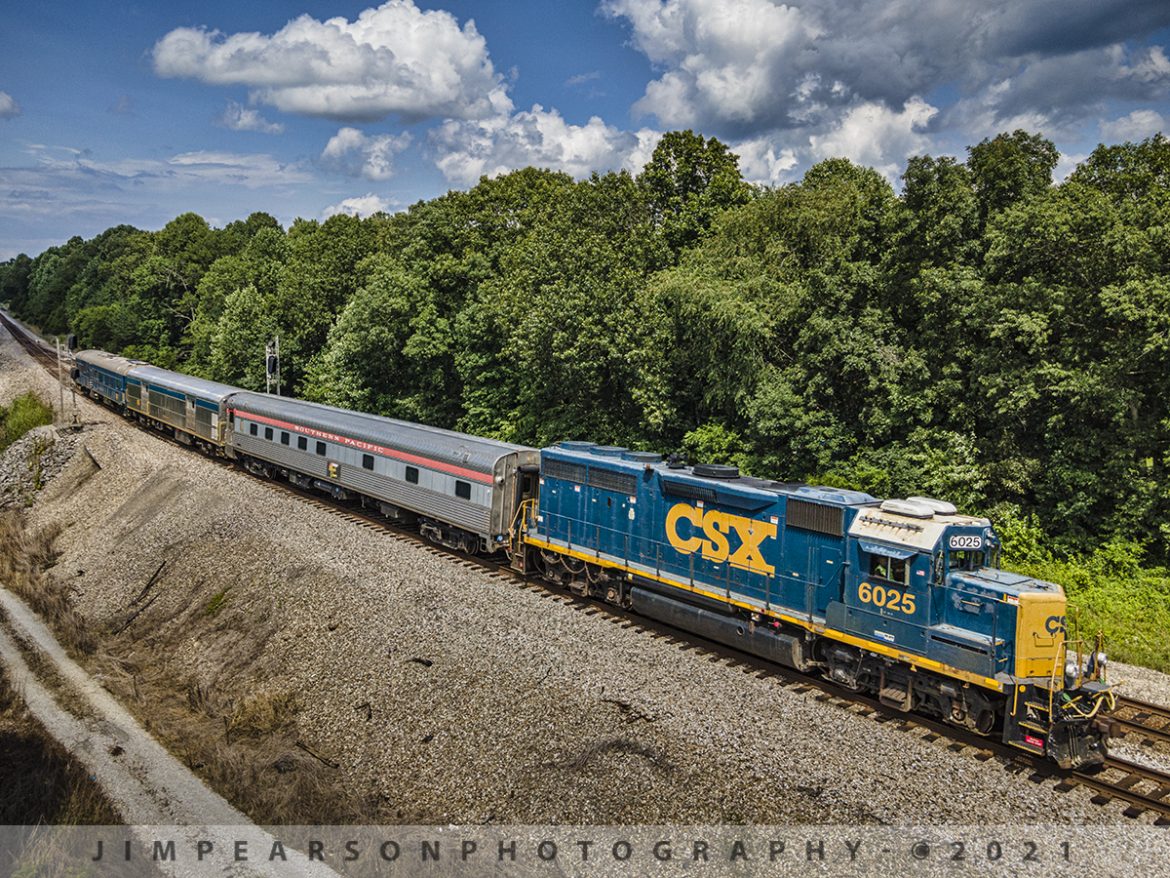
463	489
283	438
367	461
253	429
321	448
412	475
302	443
267	432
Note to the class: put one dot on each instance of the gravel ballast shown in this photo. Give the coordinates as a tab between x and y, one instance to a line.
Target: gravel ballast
454	696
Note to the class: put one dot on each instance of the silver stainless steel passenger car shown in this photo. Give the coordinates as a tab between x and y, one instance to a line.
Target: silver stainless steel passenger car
463	489
192	407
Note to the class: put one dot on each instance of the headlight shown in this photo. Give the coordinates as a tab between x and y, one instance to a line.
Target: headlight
1070	675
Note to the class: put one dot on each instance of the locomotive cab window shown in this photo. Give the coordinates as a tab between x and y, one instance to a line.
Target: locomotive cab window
412	475
302	443
895	570
966	560
463	489
367	461
253	429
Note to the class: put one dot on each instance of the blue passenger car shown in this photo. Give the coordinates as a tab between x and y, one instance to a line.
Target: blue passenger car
102	375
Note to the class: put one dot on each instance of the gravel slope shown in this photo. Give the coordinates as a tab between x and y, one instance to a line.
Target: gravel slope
459	697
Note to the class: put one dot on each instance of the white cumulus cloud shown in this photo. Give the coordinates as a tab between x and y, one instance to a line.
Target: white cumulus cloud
760	162
874	135
1134	126
356	154
360	206
394	59
723	58
466	151
237	117
8	106
747	67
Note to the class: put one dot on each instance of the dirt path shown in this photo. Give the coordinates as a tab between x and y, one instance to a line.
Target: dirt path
148	786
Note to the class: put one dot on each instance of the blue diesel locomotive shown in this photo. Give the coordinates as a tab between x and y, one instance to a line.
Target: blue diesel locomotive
902	599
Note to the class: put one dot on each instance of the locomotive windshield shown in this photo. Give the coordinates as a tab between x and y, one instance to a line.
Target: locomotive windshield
967	559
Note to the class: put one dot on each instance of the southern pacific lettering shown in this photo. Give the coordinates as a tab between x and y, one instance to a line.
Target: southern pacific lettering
900	598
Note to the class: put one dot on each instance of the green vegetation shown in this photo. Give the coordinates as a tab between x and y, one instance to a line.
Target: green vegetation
216	603
1109	590
26	412
982	334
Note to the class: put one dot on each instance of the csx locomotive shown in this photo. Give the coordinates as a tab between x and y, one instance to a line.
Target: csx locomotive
901	599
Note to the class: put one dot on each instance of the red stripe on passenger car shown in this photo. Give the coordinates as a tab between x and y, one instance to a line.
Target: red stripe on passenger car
427	462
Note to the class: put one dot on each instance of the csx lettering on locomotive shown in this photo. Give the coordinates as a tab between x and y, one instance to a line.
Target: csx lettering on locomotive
717	527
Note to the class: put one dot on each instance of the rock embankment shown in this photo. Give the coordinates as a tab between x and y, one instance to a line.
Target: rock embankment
34	460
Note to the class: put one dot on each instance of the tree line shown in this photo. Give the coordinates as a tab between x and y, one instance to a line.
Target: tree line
982	335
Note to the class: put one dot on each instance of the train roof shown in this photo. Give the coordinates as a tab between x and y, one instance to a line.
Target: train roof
473	452
110	362
189	385
612	457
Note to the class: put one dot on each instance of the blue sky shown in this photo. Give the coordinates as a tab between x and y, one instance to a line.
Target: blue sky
134	113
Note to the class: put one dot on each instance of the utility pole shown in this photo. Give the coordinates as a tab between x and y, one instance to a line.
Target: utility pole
60	381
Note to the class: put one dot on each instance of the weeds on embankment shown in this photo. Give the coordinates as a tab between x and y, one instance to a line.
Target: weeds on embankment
240	736
26	412
25	559
1109	591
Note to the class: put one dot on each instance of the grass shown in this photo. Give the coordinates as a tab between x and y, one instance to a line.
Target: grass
234	730
1130	607
216	603
25	559
1110	591
26	412
39	781
243	744
42	786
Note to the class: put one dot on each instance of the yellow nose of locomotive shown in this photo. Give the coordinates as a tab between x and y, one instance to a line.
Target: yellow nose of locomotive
1040	632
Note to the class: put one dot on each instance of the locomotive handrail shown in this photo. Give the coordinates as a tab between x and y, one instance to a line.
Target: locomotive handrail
521	521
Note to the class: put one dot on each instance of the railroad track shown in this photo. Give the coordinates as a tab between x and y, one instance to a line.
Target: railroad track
1141	788
1142	720
35	347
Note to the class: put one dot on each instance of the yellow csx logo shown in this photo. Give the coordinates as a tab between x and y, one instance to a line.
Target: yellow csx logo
716	528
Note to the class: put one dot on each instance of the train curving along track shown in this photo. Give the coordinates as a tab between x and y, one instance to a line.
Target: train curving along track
1141	788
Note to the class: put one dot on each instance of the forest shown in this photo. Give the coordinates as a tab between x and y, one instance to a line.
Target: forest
978	333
